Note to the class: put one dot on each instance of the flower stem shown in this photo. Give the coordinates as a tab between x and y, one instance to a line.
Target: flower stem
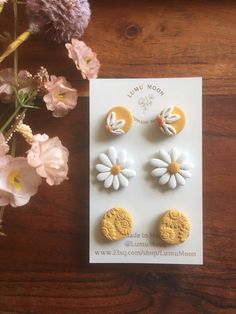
10	119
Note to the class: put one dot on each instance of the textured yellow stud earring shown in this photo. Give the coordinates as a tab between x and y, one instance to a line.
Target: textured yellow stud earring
116	224
171	120
118	120
174	227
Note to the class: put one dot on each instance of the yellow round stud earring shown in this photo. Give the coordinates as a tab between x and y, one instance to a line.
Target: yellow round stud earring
116	224
118	120
171	120
174	227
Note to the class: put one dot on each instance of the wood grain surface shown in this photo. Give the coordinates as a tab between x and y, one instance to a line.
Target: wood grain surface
44	258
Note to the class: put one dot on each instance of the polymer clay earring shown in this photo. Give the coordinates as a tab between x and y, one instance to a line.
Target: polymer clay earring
114	169
116	224
171	168
171	120
118	120
174	227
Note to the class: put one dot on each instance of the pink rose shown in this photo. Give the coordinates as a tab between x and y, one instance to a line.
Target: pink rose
61	96
50	158
84	58
18	181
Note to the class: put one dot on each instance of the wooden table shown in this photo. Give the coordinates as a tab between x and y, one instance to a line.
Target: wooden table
44	258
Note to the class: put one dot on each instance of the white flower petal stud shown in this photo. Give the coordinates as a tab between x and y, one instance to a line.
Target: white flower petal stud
171	120
114	169
118	120
171	168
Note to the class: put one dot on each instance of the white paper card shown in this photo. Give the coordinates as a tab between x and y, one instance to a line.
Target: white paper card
145	199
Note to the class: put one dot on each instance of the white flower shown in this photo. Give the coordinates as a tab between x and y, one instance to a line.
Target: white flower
50	158
114	126
171	168
61	97
114	169
164	120
18	181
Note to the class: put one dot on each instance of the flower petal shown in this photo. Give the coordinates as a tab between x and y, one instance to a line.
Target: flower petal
108	181
172	118
180	180
122	158
112	154
186	165
102	168
165	178
128	173
123	180
168	129
165	112
118	124
105	160
172	182
103	176
111	118
158	163
158	172
185	174
116	183
118	132
173	154
165	156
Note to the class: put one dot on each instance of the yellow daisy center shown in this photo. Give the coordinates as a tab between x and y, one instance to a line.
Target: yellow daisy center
61	95
116	169
174	167
14	179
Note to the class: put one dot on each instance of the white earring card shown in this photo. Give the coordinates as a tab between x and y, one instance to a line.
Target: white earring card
145	199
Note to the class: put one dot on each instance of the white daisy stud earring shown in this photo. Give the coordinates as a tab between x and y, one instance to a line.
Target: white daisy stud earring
171	168
171	120
118	120
114	169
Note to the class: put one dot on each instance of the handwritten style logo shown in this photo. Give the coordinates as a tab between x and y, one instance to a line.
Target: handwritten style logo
144	98
146	102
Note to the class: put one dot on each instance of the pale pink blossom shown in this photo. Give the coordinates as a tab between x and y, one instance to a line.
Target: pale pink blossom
7	82
61	96
18	181
4	148
84	58
3	1
50	158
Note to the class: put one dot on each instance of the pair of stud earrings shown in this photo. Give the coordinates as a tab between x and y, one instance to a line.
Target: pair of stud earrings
115	168
174	226
171	120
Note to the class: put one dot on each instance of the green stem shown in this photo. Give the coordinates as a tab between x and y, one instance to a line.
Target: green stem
10	119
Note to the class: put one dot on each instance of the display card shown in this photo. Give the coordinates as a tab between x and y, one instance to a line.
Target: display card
148	146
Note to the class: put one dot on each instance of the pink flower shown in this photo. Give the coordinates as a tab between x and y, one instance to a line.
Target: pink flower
84	58
18	181
50	158
4	148
2	2
7	81
61	96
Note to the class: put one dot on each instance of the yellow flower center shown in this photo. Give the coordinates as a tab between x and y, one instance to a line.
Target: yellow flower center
61	95
116	169
174	167
14	179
